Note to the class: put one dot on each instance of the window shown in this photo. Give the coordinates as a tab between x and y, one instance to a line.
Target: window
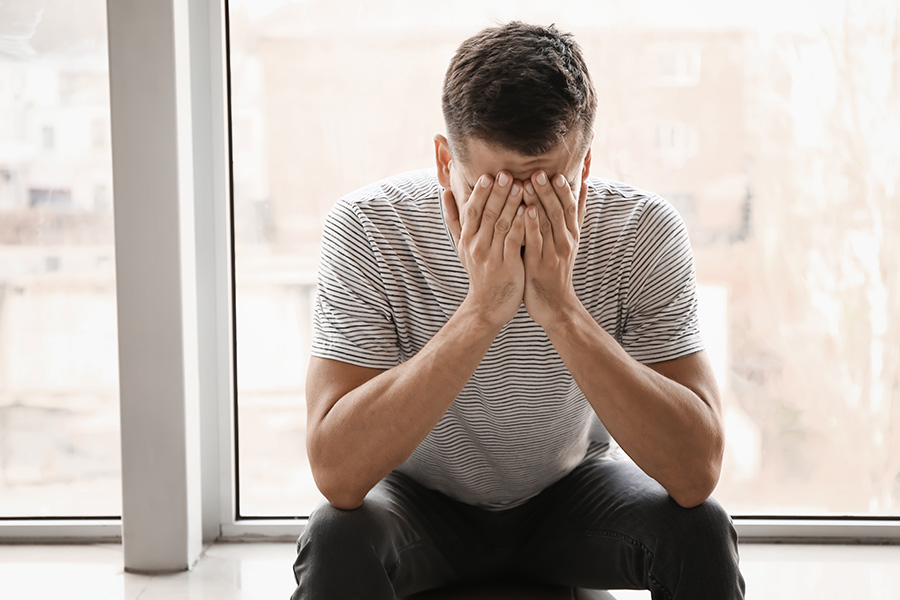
675	64
59	430
789	193
52	198
48	138
768	184
676	143
99	133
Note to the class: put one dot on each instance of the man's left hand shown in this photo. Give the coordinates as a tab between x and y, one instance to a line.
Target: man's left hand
552	227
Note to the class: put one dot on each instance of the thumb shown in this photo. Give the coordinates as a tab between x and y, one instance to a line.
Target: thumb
451	214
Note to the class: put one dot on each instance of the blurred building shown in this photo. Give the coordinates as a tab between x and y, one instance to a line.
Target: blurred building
55	171
671	118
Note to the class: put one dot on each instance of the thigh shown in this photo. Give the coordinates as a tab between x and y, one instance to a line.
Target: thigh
607	525
417	538
583	528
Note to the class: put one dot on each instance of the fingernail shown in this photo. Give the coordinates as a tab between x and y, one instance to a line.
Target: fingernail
542	178
502	179
529	188
532	212
520	210
485	181
515	189
561	181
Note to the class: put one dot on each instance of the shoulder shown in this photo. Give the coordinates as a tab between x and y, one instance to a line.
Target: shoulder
404	192
613	205
397	215
637	203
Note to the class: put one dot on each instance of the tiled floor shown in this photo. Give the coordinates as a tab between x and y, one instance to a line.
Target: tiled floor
262	572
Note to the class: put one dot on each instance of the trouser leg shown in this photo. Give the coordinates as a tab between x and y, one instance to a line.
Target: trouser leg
607	525
403	539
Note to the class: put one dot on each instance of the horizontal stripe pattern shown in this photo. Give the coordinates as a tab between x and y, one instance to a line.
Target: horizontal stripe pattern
390	278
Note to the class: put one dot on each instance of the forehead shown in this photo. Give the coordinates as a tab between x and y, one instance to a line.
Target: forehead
481	157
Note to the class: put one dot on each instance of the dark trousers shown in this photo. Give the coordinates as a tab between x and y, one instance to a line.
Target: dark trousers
606	525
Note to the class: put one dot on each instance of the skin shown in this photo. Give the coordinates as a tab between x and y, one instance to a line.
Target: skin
516	222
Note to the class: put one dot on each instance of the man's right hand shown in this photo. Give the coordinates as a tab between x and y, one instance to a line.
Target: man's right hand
489	235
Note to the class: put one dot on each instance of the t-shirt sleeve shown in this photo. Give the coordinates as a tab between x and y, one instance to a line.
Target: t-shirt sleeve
352	321
661	320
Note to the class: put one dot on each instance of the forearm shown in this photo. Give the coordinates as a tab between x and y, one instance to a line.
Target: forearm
374	428
673	433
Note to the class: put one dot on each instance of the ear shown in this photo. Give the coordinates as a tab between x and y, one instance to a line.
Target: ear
582	194
586	167
442	159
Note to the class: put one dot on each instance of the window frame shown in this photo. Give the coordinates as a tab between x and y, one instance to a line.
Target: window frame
197	31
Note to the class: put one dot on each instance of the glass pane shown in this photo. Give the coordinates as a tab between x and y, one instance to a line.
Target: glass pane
59	415
771	126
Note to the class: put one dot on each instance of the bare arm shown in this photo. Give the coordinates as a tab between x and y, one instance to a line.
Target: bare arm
667	416
362	423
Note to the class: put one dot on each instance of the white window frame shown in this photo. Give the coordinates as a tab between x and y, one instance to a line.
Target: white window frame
170	160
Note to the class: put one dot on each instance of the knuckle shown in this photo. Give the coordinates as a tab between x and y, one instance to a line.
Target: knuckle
483	248
502	225
490	214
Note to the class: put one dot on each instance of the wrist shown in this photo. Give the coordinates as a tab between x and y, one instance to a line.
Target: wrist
480	320
566	317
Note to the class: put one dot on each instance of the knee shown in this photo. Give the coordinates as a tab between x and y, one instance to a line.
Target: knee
705	530
332	536
699	545
713	521
330	526
339	550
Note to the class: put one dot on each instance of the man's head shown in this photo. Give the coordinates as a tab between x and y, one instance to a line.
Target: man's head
520	87
520	91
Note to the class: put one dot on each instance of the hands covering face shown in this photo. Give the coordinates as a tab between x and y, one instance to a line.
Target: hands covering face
501	216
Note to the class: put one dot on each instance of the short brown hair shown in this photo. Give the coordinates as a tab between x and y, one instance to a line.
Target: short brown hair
520	87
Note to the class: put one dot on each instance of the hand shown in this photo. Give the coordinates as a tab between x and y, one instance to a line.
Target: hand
552	228
489	236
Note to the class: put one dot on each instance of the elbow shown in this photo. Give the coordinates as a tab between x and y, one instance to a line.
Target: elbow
700	486
337	491
335	484
344	501
694	495
690	499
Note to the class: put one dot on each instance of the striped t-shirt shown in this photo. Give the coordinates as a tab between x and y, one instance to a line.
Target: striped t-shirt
390	277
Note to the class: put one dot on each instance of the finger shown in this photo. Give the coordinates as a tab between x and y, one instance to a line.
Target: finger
553	205
503	225
493	208
571	206
512	245
531	199
474	206
533	238
451	215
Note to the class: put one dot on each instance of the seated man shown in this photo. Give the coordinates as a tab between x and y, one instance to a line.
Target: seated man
491	343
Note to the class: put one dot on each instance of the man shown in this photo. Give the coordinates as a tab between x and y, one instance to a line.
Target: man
475	332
